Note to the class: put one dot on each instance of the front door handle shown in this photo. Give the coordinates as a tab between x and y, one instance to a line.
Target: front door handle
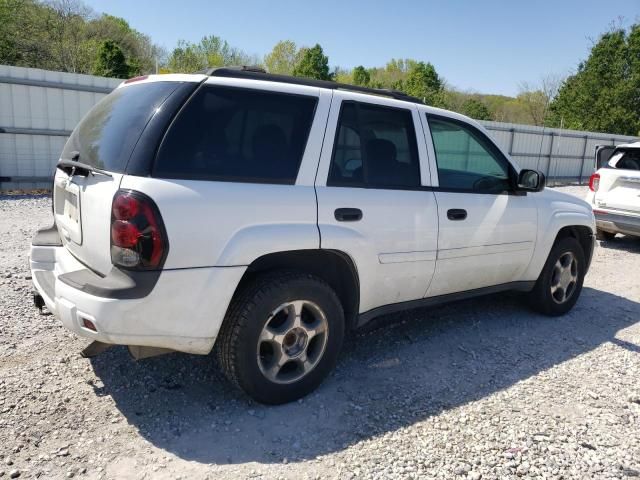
456	214
348	214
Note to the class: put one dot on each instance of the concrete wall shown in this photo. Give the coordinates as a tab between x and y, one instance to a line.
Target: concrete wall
40	108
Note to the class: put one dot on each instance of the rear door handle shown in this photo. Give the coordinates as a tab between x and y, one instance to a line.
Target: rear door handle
456	214
348	214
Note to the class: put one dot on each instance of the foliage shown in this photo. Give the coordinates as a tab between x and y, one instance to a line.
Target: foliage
211	51
603	95
313	64
361	76
283	58
423	82
476	109
66	35
111	62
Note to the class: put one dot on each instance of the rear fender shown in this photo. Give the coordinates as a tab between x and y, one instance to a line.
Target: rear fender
255	241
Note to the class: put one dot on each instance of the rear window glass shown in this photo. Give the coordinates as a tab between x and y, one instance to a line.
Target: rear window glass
234	134
107	135
626	160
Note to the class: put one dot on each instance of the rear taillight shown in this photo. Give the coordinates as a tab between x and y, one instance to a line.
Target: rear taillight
594	182
138	237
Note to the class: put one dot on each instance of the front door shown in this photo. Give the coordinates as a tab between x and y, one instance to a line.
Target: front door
487	231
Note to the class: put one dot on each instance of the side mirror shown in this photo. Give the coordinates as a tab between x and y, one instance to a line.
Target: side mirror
531	181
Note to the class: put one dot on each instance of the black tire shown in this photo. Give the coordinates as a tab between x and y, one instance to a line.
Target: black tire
238	345
541	297
604	235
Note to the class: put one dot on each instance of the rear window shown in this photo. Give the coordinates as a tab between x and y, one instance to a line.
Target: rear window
626	160
106	136
234	134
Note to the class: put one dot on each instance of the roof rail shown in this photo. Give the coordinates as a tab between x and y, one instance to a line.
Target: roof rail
258	73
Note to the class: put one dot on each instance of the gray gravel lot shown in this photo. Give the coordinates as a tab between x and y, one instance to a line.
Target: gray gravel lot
478	389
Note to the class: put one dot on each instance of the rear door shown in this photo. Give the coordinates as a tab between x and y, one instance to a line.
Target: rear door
373	198
105	139
619	187
487	231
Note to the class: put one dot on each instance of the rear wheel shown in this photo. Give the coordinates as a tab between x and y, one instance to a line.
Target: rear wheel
281	336
560	282
604	235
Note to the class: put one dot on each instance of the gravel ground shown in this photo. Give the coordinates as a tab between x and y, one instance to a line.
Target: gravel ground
477	389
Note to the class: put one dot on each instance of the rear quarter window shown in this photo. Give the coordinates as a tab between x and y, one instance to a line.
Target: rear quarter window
107	135
235	134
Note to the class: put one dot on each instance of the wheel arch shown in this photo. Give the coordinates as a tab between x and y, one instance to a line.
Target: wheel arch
558	225
583	234
333	266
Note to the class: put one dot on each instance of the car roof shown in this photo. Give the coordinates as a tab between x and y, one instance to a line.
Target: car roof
629	145
257	73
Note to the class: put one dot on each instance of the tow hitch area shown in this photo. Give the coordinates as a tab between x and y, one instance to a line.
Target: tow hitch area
94	349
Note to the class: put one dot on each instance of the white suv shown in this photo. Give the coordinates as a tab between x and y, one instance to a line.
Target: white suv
614	193
268	216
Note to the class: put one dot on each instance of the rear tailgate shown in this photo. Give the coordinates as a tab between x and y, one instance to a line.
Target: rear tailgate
105	140
82	212
619	190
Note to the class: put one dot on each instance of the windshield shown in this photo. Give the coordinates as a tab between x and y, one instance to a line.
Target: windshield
106	136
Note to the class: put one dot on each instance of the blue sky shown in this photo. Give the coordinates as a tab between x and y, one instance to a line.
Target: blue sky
484	46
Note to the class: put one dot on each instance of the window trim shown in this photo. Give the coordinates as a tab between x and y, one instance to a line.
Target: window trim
363	183
494	150
229	178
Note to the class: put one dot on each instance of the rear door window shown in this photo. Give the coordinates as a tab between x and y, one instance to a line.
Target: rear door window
235	134
375	147
106	136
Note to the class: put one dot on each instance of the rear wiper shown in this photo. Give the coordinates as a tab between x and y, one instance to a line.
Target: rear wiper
81	167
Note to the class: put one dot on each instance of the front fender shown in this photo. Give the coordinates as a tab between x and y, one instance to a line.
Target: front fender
550	222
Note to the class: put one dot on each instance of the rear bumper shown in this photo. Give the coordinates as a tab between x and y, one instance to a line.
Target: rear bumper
175	309
616	222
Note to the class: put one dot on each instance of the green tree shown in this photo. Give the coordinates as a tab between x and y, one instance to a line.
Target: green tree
66	35
361	76
141	53
603	94
110	61
476	109
283	58
423	81
342	75
211	51
313	64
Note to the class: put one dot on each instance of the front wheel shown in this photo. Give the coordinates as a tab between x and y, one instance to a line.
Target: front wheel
281	336
560	282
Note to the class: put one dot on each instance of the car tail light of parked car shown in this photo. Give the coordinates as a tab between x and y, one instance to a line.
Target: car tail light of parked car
594	182
138	237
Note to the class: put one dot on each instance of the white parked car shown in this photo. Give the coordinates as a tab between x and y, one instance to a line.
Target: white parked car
268	216
614	193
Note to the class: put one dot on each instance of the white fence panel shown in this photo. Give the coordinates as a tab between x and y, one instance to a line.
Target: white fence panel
38	111
40	108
